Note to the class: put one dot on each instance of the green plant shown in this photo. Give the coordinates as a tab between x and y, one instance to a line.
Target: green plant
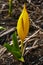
2	28
10	7
22	30
14	48
23	26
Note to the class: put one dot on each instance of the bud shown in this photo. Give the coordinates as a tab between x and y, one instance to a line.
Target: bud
23	24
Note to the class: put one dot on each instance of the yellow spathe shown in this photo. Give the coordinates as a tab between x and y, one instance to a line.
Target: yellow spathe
23	24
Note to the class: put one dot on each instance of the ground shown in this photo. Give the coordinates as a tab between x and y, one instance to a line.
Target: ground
33	54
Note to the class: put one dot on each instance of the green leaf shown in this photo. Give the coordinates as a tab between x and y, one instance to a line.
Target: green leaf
17	54
10	7
2	28
15	42
14	49
21	59
9	48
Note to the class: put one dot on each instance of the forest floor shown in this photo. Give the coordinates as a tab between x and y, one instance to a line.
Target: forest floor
33	54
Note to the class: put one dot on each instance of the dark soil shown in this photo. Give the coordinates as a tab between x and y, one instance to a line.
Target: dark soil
33	56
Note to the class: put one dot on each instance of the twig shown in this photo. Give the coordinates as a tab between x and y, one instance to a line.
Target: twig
33	35
34	24
8	31
26	45
2	51
35	42
33	47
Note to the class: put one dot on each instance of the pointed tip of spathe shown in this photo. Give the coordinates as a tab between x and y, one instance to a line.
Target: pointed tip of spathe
24	5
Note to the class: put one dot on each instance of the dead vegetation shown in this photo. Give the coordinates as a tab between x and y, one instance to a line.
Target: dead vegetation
34	41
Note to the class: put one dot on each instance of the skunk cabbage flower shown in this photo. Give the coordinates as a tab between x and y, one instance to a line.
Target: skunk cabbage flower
23	24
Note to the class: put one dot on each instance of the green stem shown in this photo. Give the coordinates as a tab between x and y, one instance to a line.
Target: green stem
10	7
22	47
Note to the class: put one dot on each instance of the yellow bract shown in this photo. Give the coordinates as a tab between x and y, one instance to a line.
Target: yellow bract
23	24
